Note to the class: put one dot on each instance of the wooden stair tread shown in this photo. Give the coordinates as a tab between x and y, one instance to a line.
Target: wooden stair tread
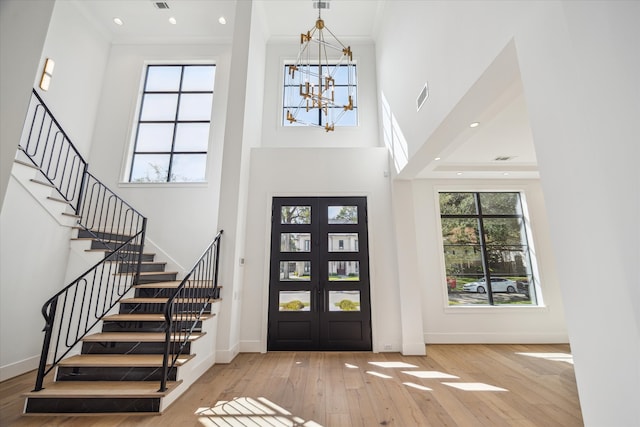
136	336
152	317
175	283
87	389
45	183
27	164
120	360
148	273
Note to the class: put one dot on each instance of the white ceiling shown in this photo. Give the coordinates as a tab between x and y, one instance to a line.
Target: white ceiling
504	131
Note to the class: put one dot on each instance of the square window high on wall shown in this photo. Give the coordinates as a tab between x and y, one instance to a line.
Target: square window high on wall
172	128
487	256
336	82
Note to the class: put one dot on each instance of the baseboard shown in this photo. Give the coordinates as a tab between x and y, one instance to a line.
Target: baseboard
19	368
226	356
252	347
489	338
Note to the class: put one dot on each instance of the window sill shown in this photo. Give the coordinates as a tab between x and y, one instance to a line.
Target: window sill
199	184
466	309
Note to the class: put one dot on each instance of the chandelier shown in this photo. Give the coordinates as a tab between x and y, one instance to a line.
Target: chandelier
321	59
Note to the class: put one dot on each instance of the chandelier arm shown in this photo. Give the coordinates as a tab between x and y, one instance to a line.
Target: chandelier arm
334	36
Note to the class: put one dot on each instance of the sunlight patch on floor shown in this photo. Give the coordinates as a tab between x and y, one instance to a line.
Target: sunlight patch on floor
418	386
247	411
378	374
475	387
350	366
393	364
558	357
429	374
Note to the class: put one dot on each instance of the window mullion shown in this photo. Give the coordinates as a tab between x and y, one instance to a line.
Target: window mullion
175	126
483	249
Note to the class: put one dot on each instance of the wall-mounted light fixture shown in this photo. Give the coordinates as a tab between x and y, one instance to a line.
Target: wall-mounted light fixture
45	81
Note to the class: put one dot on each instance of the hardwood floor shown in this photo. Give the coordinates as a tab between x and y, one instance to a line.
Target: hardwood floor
454	385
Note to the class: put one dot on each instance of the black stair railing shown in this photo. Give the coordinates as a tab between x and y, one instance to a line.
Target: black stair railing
185	308
75	310
45	143
112	224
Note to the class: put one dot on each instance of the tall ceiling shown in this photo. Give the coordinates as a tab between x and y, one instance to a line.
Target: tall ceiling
504	131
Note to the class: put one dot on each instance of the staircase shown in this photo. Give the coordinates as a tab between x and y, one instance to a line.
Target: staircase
125	336
120	366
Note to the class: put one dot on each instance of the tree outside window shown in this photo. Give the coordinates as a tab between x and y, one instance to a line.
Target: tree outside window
486	251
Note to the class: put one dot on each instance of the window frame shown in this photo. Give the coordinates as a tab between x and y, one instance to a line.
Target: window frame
283	105
172	152
536	298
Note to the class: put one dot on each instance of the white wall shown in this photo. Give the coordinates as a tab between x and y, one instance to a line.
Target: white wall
244	122
444	324
23	29
34	249
182	217
579	62
78	73
363	135
320	172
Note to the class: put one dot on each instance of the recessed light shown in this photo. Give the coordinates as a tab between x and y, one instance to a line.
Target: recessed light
118	21
222	20
459	173
436	159
506	174
474	125
173	21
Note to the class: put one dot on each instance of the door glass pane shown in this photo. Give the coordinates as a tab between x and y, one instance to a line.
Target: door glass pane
344	271
295	242
343	242
344	300
294	300
295	215
343	214
295	271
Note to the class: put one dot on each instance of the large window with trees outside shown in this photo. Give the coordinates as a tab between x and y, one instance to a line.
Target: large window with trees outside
486	251
172	130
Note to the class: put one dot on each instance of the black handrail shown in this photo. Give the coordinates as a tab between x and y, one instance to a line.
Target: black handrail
75	310
49	148
190	300
103	216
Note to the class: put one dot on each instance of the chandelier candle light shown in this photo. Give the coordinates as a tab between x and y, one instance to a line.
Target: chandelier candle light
314	73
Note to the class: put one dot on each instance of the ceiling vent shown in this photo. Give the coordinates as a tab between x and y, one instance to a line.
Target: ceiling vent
161	4
503	158
424	94
321	5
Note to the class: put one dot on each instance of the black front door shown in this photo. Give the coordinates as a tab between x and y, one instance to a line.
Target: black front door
319	274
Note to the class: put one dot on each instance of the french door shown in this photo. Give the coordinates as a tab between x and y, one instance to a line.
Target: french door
319	295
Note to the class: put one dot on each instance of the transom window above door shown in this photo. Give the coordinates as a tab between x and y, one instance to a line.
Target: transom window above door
172	129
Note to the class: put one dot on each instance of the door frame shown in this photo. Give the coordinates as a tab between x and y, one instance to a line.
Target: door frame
266	270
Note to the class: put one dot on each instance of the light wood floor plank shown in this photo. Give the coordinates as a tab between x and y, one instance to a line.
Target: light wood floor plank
335	390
